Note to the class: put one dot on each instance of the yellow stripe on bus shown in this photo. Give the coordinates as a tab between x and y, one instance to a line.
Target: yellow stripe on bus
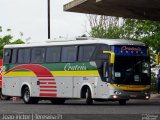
131	87
55	73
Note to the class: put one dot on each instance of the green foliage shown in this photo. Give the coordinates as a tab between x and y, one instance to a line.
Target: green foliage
7	39
143	30
98	32
112	32
18	41
139	30
0	29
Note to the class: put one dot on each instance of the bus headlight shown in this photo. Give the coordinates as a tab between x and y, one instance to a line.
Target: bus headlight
147	97
115	96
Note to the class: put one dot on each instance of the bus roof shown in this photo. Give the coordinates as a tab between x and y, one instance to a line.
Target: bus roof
79	42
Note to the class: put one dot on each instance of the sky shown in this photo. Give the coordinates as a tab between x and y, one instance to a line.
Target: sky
30	18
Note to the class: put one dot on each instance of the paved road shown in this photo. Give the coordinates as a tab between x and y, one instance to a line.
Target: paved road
76	109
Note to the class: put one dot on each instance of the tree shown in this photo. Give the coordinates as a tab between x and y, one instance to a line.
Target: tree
139	30
7	39
105	26
143	30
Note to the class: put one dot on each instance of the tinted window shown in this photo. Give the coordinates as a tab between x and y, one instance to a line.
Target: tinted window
53	54
24	55
69	54
38	55
14	56
7	56
86	52
99	53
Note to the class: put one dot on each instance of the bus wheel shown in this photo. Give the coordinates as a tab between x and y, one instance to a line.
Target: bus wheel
89	100
58	101
26	97
122	102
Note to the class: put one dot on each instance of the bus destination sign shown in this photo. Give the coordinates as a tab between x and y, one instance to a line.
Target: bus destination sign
130	50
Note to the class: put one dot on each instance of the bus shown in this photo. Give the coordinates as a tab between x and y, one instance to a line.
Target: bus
0	75
91	69
2	97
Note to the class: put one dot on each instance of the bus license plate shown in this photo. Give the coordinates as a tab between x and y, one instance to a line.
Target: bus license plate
133	96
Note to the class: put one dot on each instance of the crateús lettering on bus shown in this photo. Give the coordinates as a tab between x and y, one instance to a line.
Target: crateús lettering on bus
126	48
69	67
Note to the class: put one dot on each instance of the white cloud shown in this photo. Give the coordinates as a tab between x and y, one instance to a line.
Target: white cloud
30	17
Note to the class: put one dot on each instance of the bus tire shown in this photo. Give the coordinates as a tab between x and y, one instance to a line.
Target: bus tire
89	100
58	101
122	102
26	97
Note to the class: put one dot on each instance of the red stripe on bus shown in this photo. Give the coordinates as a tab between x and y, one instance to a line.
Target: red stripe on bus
51	82
46	79
47	82
47	86
48	90
39	70
47	95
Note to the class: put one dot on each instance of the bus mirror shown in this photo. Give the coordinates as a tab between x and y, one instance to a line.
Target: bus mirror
112	56
105	69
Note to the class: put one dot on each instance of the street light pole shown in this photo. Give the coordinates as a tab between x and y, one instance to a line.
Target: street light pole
48	19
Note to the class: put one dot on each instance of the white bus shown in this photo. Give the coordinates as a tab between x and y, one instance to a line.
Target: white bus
95	69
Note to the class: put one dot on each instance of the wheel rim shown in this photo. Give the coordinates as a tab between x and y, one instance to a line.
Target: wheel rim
87	94
26	96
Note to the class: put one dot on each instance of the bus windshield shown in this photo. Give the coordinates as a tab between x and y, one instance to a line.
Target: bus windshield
132	70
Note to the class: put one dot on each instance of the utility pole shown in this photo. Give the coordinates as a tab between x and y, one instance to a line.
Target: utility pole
48	19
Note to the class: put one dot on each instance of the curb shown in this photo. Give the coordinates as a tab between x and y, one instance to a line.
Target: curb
155	96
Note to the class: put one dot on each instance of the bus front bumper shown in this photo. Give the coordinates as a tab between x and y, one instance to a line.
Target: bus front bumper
117	95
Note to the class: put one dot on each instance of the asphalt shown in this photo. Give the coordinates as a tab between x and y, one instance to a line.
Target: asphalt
78	110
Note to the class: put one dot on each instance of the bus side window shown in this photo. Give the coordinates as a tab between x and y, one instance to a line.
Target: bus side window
69	54
53	54
14	56
86	52
101	55
38	55
24	55
7	56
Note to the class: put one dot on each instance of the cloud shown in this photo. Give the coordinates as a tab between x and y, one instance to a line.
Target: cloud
30	17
